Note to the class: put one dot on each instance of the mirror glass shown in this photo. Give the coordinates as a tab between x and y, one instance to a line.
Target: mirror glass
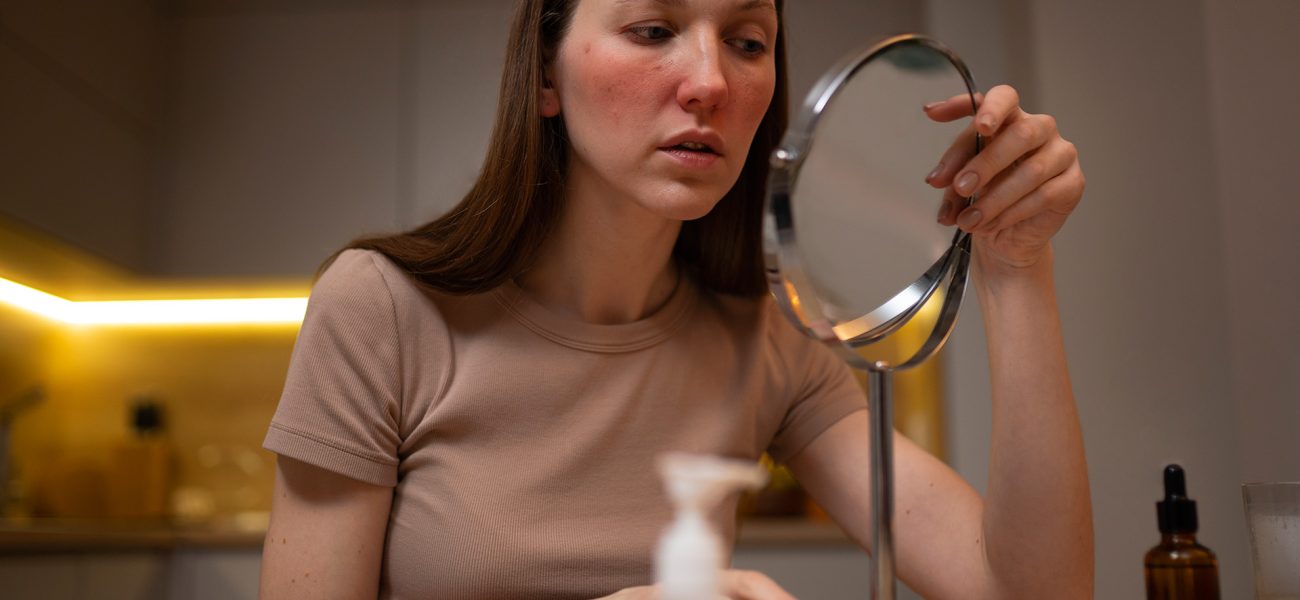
864	216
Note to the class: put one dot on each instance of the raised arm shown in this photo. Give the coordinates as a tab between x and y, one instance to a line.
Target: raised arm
1038	510
326	537
1031	536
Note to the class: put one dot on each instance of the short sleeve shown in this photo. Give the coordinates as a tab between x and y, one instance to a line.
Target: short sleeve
823	391
340	407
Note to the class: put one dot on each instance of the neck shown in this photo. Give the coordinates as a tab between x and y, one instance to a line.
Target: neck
608	261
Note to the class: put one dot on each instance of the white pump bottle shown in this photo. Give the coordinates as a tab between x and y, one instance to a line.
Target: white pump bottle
691	554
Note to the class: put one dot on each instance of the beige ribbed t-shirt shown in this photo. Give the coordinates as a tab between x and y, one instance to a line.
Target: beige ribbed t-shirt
521	443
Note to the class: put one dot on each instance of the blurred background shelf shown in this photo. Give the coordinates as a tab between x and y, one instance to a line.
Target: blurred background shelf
790	533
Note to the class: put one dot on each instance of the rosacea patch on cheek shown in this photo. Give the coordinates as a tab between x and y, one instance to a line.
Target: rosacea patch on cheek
627	103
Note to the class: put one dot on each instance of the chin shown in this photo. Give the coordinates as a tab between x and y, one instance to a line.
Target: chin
685	211
686	203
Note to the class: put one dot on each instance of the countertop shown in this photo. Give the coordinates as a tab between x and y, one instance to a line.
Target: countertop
24	536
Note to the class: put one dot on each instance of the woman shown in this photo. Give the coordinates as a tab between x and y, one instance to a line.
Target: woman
473	407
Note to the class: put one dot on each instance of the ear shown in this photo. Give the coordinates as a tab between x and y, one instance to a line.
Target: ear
549	97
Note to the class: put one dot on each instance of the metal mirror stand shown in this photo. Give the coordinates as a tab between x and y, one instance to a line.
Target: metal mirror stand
794	293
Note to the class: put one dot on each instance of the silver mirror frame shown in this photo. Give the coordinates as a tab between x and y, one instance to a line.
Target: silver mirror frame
785	270
796	296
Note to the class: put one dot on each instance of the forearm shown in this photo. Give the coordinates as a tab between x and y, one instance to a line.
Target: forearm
1038	518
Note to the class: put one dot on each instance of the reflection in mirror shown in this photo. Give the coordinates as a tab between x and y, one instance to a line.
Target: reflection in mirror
862	183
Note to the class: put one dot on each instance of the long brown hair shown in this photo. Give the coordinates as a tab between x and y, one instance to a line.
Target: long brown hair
496	230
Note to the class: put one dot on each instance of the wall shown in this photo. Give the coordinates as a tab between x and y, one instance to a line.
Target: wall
78	107
1177	351
1249	44
281	135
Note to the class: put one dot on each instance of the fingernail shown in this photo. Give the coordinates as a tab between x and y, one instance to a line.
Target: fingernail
966	183
969	219
931	106
986	122
935	172
943	212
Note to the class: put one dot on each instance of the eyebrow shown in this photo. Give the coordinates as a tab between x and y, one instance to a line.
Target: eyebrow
751	5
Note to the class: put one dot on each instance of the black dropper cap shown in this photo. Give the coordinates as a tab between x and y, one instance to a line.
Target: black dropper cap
1176	513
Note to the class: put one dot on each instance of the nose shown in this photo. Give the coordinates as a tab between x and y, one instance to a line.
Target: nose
704	86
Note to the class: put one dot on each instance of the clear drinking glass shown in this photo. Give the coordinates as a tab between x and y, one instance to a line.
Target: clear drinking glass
1273	516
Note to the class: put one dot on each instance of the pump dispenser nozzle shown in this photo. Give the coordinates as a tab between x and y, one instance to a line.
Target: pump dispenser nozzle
690	553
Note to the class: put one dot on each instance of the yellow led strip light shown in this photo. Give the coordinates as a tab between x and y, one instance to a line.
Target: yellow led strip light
234	311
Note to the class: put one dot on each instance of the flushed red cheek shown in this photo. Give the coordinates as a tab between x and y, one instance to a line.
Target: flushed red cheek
622	88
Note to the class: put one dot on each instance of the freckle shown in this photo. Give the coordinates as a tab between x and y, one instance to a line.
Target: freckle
586	49
907	512
293	581
307	574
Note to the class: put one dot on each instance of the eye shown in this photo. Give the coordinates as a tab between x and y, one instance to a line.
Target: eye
749	47
647	34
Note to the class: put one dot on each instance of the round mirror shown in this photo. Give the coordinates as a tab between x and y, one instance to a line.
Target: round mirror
854	246
852	240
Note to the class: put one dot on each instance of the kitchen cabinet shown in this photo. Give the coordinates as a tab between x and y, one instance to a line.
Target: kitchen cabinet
108	576
49	562
188	574
215	574
252	143
828	572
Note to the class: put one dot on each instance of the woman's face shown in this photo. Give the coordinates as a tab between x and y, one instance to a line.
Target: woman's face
661	98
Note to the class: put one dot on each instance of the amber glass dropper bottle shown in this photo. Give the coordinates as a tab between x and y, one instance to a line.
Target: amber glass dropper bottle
1179	568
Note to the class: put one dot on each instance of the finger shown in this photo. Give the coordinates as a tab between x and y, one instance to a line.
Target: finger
1051	203
751	585
953	108
1000	105
1019	180
644	592
953	159
1018	138
950	206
